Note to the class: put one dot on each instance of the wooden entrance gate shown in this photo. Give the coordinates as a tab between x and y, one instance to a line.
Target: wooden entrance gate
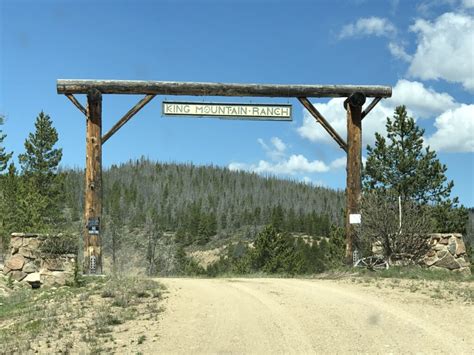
94	89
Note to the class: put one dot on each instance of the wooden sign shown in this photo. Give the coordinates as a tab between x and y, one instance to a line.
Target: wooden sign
263	112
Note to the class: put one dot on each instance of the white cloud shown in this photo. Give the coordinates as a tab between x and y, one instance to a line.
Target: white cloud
295	164
445	49
278	144
263	144
238	166
335	114
428	7
339	163
467	4
308	181
421	101
398	51
455	130
276	150
370	26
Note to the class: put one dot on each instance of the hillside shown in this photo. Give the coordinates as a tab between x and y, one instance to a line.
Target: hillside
151	210
206	199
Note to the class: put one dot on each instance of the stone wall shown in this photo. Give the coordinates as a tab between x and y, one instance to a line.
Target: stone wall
447	251
27	263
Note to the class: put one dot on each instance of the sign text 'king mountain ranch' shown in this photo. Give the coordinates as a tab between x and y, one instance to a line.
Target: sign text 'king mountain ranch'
271	112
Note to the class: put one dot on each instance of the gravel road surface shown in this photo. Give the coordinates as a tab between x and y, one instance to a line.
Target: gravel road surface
301	316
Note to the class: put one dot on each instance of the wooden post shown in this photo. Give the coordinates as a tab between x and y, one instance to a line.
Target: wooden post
93	183
354	167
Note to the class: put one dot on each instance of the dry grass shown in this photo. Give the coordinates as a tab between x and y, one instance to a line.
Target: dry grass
76	319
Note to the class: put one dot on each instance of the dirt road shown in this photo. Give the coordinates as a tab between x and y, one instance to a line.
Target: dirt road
268	316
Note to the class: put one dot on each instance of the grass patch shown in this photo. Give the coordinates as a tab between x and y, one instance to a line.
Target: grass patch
15	304
414	273
141	339
44	320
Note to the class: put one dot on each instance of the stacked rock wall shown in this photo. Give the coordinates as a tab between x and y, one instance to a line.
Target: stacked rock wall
27	263
447	251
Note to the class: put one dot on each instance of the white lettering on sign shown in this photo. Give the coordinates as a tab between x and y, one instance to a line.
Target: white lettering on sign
355	218
229	111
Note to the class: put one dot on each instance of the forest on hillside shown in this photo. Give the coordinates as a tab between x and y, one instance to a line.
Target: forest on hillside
199	202
152	211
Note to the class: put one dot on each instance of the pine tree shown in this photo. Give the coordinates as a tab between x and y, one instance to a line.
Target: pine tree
41	185
402	167
399	167
6	205
9	217
4	156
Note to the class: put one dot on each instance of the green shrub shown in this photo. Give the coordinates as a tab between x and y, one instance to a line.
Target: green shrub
60	244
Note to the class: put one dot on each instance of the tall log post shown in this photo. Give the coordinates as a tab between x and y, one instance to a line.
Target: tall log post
93	192
354	169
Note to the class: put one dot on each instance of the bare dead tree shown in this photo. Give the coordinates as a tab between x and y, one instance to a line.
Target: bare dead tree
381	225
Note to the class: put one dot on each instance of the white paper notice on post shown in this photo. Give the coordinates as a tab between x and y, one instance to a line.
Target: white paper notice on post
355	218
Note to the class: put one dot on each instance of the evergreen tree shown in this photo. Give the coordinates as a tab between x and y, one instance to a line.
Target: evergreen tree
4	156
402	167
399	167
41	186
7	206
276	253
9	219
278	218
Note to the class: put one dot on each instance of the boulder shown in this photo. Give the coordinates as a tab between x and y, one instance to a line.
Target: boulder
431	253
460	247
6	270
27	252
447	261
16	242
463	262
30	267
444	240
18	275
34	279
32	243
53	264
16	262
430	260
441	254
56	278
452	245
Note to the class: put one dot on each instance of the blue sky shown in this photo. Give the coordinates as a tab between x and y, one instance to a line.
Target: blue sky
423	49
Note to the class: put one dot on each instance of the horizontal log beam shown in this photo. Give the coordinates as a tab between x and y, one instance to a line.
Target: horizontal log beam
66	86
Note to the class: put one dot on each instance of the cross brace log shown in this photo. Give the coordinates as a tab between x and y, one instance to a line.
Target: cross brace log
67	86
127	117
77	103
369	108
320	118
